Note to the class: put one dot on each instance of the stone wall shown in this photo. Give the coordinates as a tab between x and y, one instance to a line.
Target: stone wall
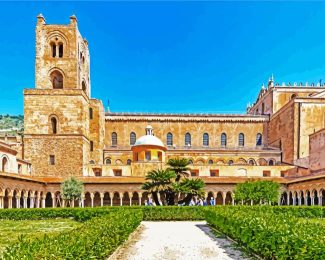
317	152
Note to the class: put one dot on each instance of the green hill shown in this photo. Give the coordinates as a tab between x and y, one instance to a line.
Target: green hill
11	124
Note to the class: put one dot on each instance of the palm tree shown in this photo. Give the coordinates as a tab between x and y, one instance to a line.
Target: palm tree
190	187
179	166
159	181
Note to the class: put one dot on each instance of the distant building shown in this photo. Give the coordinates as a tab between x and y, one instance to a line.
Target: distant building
67	133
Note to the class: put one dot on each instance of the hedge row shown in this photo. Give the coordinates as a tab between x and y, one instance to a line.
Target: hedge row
84	214
271	235
95	239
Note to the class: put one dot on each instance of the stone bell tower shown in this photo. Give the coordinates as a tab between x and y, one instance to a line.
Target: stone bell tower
57	112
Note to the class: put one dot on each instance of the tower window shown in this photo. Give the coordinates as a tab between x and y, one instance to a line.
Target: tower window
205	139
114	139
53	48
52	159
223	139
169	139
90	113
241	139
133	138
5	164
258	139
60	50
187	139
54	124
91	146
128	162
83	86
108	161
57	79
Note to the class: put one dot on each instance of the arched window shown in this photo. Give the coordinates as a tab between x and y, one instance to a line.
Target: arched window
263	108
133	138
114	139
108	161
54	125
128	162
169	139
53	49
205	139
271	162
90	113
258	139
57	79
293	96
223	139
188	139
60	50
210	161
5	164
92	162
190	162
241	139
251	162
84	86
230	162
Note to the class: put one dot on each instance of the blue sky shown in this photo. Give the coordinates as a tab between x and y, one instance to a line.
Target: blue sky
172	56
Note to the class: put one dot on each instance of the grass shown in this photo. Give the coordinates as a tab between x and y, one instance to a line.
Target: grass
11	230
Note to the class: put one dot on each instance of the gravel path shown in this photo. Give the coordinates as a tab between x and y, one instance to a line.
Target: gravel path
176	240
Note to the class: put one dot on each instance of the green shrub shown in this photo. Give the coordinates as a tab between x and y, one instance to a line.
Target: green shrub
173	213
95	239
269	233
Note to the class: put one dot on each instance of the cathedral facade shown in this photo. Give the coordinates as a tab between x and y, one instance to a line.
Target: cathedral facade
69	133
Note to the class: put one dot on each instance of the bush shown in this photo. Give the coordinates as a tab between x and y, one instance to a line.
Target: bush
95	239
173	213
268	233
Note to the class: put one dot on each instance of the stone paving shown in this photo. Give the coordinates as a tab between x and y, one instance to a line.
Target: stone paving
176	241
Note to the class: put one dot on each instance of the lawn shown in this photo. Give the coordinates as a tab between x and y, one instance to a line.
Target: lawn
10	230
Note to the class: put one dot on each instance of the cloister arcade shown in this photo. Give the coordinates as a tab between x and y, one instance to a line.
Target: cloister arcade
14	198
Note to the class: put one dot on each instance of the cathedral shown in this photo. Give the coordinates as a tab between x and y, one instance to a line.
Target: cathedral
68	133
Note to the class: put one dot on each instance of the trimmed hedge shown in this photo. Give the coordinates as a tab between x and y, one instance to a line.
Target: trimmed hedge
269	233
84	214
95	239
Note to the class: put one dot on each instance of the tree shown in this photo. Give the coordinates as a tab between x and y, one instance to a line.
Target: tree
191	188
159	181
257	192
72	189
179	166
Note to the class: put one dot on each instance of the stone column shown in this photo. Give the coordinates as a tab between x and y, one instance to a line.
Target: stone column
82	201
320	200
121	199
140	197
56	50
17	202
1	202
101	199
25	202
111	195
294	201
92	199
63	203
31	199
9	202
53	200
312	200
43	202
299	201
223	198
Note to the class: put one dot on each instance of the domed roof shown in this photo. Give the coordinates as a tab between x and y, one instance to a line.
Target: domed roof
149	140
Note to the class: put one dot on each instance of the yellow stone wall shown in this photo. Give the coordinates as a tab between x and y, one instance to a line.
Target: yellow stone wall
74	65
317	152
97	129
179	128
